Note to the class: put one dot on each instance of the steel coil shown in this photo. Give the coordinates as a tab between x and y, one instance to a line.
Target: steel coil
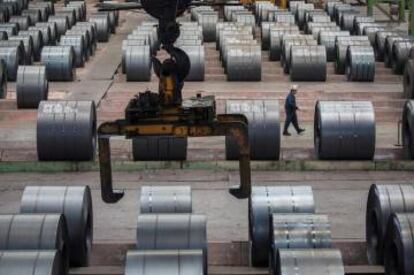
266	33
158	262
389	42
285	18
22	21
27	43
340	9
46	34
89	34
9	30
308	63
3	79
69	14
344	130
131	42
347	21
45	262
172	231
138	63
110	17
208	22
75	203
361	19
159	148
62	24
294	5
380	38
276	38
383	200
300	13
59	62
371	32
408	128
244	63
197	59
82	35
330	5
360	63
400	54
66	130
102	27
4	14
31	87
77	10
54	36
309	262
271	17
35	232
268	200
288	42
408	79
165	199
3	35
264	128
38	43
341	48
13	58
35	15
327	39
399	244
78	45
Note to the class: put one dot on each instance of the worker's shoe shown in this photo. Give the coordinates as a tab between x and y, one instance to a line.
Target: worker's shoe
286	133
300	131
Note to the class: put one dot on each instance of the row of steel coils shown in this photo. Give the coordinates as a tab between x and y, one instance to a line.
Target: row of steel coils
53	231
390	227
287	235
61	44
170	237
304	39
142	43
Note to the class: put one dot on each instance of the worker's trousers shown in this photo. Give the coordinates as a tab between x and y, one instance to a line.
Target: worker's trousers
291	117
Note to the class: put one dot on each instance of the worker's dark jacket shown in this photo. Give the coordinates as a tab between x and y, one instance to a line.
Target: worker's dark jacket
290	104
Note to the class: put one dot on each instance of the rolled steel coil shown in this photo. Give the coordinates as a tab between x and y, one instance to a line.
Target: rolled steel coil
234	27
360	63
59	62
380	38
230	32
89	32
156	262
38	42
45	262
82	8
308	63
340	9
244	63
276	38
347	21
311	25
35	232
138	63
77	10
85	38
22	21
389	43
54	35
315	13
18	44
318	18
300	13
13	58
383	201
266	33
3	35
165	199
111	19
267	200
208	22
46	34
341	48
408	128
102	27
308	262
399	244
293	40
285	18
91	28
27	42
35	15
293	6
9	30
408	79
264	128
3	79
17	5
11	9
330	5
4	14
362	19
32	86
47	6
78	44
371	32
327	39
62	24
75	203
172	231
69	14
271	16
197	59
66	130
44	12
344	130
130	42
400	54
316	30
159	148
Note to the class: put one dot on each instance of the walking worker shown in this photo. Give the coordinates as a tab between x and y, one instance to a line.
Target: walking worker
290	109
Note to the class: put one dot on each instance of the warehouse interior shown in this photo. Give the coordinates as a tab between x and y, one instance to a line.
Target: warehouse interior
148	137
